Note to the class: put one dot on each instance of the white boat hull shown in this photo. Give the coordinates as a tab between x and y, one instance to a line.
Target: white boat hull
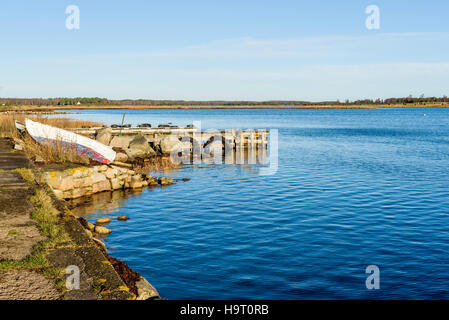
84	146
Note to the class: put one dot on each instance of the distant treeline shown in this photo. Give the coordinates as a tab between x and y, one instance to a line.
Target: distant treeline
144	102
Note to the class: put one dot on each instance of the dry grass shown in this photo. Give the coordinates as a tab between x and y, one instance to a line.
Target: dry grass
317	106
8	128
27	174
154	164
53	153
56	153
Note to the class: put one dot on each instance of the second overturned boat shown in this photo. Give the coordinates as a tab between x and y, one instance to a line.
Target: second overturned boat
50	135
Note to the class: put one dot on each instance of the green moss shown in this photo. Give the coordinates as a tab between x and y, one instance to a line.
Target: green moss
14	233
54	273
50	226
27	174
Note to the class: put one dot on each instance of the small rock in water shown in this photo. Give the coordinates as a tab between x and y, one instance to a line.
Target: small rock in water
164	181
123	218
152	181
186	179
103	221
102	230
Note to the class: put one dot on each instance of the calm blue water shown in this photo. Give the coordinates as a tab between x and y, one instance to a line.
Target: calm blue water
354	188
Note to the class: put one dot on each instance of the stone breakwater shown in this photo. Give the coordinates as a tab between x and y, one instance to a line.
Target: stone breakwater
84	181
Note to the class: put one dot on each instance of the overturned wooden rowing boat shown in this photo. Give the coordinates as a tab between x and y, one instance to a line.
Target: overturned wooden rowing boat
84	146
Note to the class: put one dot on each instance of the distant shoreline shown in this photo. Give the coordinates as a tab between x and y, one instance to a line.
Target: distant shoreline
150	107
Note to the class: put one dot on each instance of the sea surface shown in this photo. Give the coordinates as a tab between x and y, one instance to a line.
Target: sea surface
353	188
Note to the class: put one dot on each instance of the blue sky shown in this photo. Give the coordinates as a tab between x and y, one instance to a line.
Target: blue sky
232	50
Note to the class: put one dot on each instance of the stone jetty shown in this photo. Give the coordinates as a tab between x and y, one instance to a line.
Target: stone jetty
132	143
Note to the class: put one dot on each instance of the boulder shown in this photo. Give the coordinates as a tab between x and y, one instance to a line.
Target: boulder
120	142
101	186
123	218
98	177
60	182
82	182
136	182
111	173
78	193
121	157
104	136
116	184
170	144
139	148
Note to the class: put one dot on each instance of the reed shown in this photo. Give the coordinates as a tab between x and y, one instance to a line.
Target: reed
7	122
53	153
154	164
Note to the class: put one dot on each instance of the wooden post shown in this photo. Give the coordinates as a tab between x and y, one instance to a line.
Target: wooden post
251	142
263	138
121	127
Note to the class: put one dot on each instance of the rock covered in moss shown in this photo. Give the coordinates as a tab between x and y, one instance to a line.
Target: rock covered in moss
90	226
102	230
165	181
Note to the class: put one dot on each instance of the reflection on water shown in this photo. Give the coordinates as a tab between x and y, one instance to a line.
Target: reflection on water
219	156
109	202
104	202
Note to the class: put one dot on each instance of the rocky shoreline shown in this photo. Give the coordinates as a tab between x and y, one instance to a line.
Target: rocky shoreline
63	241
83	181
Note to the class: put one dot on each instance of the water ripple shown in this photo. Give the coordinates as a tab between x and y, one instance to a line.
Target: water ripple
354	188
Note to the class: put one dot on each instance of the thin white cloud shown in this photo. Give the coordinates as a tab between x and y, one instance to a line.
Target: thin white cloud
319	47
322	71
309	68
